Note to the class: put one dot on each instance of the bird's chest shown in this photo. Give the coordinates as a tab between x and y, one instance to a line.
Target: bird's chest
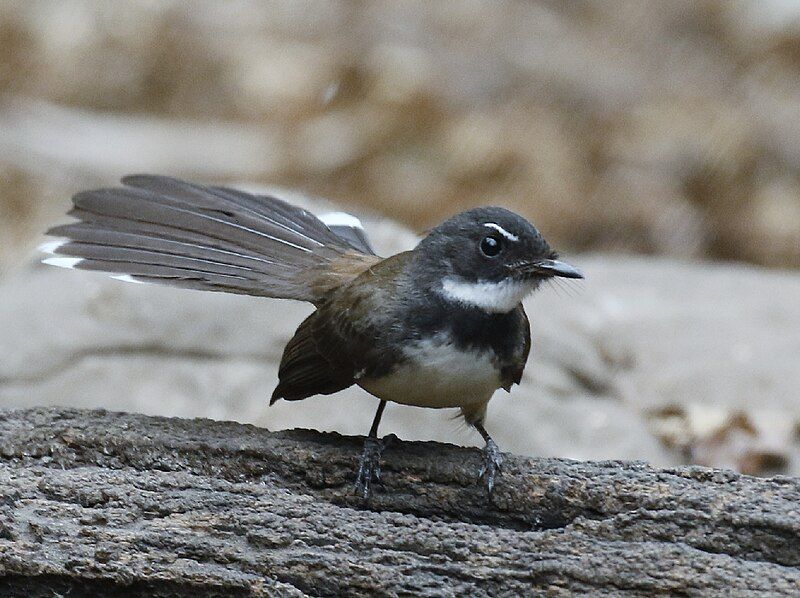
451	358
501	337
437	373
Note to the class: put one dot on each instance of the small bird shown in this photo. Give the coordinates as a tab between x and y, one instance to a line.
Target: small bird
439	326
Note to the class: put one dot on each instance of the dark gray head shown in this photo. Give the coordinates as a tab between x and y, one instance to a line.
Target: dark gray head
489	258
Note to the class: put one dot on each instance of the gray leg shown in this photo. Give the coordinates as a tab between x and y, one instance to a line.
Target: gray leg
475	414
369	466
492	459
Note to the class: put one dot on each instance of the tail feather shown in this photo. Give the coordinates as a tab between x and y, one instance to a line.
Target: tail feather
110	224
160	229
269	214
86	239
157	259
138	206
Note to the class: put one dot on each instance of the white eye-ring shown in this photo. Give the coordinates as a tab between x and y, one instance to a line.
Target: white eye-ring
502	231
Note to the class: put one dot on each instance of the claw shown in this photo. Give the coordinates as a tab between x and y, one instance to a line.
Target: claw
492	461
369	466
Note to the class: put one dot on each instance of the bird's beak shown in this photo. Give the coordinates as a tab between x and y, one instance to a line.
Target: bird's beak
550	268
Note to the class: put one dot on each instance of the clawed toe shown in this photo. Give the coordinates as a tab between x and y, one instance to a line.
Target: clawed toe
492	461
369	466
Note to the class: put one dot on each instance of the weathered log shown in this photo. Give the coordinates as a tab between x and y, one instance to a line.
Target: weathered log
110	504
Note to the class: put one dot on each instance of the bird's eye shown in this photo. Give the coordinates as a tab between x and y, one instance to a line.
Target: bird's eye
491	246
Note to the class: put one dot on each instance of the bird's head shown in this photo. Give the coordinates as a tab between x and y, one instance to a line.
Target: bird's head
489	258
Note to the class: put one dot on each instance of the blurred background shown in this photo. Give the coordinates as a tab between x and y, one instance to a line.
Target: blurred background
656	143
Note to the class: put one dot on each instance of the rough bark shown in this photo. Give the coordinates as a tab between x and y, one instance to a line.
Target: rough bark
108	504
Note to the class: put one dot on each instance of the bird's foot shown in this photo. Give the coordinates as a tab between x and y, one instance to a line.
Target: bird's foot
492	460
369	467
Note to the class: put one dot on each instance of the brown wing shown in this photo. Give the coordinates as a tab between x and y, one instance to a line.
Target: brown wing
340	342
512	374
304	370
338	272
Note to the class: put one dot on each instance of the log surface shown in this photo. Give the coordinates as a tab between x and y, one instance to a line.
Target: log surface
109	504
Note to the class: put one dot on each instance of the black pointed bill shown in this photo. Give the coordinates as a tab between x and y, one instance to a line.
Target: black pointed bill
557	268
550	268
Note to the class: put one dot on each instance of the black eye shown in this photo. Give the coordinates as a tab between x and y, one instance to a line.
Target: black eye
491	246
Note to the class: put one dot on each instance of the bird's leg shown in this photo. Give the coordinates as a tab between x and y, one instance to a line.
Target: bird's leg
492	458
369	467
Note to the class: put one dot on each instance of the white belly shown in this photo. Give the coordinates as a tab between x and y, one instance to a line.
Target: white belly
438	375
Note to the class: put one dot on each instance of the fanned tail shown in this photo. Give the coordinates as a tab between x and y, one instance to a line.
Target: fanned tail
163	230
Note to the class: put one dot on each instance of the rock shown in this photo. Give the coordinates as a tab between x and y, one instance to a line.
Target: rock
280	78
35	132
694	338
103	503
327	143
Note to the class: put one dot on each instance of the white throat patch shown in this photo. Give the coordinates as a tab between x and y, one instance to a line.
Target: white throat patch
494	297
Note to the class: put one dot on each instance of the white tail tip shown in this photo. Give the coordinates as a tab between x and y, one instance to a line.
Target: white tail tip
51	246
63	262
127	278
340	219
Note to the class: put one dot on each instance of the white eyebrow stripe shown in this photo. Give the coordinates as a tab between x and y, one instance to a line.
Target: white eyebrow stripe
502	231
